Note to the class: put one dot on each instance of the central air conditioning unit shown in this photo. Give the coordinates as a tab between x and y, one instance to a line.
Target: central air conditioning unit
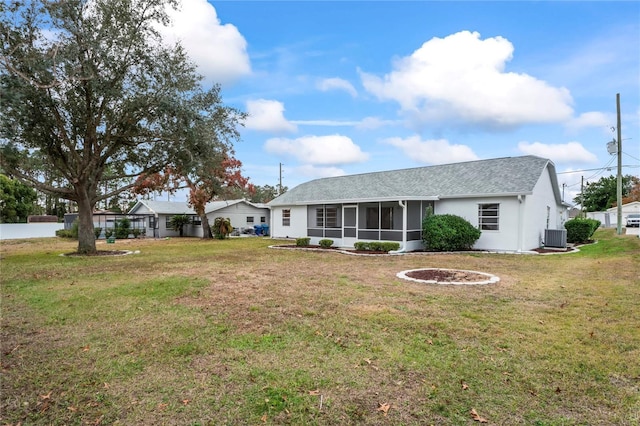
555	238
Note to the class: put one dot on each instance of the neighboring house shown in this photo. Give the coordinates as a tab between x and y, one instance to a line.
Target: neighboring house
512	200
609	218
242	214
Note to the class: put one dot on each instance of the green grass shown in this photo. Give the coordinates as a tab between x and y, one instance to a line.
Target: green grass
231	332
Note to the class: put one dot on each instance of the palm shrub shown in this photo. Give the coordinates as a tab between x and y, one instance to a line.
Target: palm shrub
448	232
178	222
221	227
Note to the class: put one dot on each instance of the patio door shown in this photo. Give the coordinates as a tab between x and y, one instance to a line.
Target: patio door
349	225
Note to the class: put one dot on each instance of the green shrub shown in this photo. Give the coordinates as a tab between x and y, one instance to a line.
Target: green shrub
97	231
64	233
303	242
123	228
108	232
385	246
581	230
74	229
136	232
326	243
448	232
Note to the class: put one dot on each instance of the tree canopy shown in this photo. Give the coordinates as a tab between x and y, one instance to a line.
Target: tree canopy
17	200
90	95
602	194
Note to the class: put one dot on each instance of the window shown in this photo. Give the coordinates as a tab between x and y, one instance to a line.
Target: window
286	217
263	219
196	221
327	217
489	216
386	218
320	217
331	214
249	219
372	218
168	221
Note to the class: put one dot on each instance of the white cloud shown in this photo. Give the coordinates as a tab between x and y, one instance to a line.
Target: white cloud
367	123
462	78
434	151
268	116
592	119
337	84
571	152
318	150
219	51
314	172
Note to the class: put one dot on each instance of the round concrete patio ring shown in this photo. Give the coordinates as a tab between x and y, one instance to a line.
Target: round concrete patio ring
456	276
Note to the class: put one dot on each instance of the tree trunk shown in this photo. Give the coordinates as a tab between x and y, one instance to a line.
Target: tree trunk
206	229
86	237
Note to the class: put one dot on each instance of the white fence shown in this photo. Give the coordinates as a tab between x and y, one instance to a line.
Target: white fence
10	231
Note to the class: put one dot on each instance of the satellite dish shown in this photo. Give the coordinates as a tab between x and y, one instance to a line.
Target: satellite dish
612	147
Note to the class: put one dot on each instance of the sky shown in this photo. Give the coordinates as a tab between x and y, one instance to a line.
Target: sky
336	87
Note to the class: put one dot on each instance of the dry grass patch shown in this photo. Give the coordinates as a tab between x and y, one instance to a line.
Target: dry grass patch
226	332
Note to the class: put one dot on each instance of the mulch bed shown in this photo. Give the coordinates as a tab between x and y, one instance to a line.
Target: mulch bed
446	275
317	247
99	253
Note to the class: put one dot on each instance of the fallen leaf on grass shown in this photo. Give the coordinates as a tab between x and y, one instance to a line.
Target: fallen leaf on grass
464	386
186	401
384	407
72	409
47	396
264	418
314	392
162	406
86	348
475	416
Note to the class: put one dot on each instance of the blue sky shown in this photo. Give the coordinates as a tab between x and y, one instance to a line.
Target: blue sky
338	88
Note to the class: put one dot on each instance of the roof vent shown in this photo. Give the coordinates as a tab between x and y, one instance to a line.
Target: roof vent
555	238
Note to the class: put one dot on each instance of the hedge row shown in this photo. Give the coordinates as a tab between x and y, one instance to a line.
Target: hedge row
385	246
580	230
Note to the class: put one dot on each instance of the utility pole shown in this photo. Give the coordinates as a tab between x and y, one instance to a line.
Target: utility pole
619	186
280	181
581	196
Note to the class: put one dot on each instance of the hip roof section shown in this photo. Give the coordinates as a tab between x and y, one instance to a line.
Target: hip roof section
493	177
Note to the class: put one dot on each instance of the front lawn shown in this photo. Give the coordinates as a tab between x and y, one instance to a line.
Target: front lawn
191	332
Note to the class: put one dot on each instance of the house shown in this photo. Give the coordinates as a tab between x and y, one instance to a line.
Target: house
512	200
609	218
242	214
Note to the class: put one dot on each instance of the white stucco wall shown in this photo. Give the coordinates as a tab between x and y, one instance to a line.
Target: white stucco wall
238	213
539	206
506	238
298	222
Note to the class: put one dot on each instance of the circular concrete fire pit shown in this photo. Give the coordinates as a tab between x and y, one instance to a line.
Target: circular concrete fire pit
448	276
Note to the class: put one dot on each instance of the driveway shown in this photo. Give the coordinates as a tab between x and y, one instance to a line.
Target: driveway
633	231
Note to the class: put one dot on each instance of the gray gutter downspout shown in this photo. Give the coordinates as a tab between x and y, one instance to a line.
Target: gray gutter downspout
402	249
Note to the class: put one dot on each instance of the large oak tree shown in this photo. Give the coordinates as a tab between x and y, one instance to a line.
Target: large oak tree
89	86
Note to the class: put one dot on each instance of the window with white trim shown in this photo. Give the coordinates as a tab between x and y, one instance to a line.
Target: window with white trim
489	217
286	217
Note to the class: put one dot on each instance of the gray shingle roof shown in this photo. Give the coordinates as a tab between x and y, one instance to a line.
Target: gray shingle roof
176	207
499	176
